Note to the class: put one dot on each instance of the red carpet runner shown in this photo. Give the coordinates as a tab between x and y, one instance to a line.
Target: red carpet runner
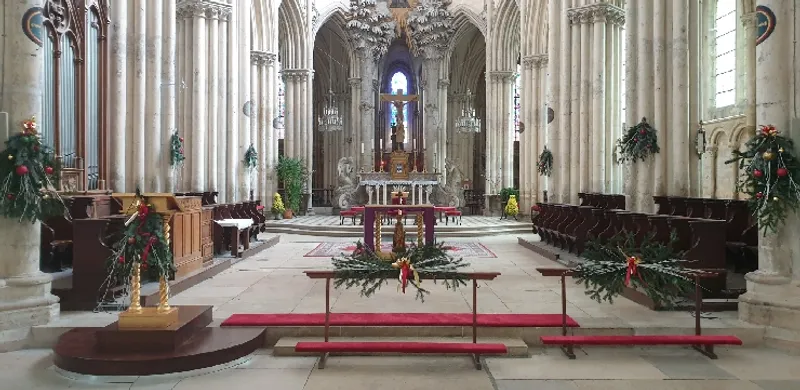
401	319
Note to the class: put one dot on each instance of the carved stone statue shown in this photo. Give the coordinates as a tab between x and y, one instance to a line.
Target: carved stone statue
399	236
347	185
452	193
400	129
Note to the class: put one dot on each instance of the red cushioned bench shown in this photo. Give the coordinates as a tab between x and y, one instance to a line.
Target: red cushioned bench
699	342
452	214
347	214
474	349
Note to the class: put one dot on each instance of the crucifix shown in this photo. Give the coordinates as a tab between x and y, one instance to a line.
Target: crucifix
399	101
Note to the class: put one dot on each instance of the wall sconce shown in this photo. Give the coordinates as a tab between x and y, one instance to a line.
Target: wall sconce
700	141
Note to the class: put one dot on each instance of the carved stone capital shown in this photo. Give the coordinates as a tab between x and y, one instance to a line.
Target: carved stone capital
537	61
712	151
297	75
366	106
209	9
501	76
597	13
355	82
261	58
444	83
749	20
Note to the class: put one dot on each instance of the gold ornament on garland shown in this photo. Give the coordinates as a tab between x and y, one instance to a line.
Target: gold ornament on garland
769	178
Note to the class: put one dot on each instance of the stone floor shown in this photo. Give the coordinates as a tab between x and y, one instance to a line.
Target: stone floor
466	221
272	281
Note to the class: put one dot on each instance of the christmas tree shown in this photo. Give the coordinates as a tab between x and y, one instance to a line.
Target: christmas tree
512	208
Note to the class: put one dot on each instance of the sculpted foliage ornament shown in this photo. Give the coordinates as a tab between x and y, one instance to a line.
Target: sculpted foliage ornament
372	30
430	26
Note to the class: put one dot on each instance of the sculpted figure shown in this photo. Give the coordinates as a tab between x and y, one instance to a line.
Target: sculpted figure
347	185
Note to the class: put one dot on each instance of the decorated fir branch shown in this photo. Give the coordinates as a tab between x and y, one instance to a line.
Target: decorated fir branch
176	156
769	167
638	143
142	243
29	172
652	267
367	271
250	158
545	164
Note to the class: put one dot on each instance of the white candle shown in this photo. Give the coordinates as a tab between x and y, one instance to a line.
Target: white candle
415	145
381	144
362	148
372	144
435	144
423	143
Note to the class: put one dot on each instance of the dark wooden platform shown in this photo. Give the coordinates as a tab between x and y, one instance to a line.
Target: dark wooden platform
187	345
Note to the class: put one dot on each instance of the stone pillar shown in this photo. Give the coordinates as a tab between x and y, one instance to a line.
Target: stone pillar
234	115
444	139
154	149
562	125
773	291
138	90
199	130
356	134
224	124
169	109
432	115
367	112
118	95
585	147
214	76
573	145
25	298
532	102
598	97
242	23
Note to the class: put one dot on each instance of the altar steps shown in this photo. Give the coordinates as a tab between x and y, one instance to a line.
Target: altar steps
328	226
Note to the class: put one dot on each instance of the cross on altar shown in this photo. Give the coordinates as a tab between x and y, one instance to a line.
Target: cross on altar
399	101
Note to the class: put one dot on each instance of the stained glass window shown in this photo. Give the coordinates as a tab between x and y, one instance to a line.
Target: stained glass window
399	82
517	92
725	53
281	102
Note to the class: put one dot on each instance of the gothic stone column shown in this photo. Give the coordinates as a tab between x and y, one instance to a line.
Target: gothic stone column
25	298
773	291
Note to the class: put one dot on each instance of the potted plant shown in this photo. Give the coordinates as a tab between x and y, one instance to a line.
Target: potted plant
292	172
277	206
505	195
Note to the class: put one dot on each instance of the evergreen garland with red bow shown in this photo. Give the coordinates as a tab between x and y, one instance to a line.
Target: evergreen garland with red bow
366	270
769	167
29	174
652	267
176	156
638	143
142	242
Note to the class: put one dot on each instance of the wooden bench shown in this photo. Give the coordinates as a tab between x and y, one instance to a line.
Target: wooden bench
699	342
474	349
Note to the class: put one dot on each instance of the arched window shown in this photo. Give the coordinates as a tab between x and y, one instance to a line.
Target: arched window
399	82
725	53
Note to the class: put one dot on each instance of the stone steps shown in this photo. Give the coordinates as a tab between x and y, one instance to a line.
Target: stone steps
285	345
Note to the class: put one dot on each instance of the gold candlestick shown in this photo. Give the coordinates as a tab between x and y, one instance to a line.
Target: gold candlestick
136	290
163	284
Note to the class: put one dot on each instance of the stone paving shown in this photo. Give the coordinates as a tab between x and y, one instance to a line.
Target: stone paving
273	282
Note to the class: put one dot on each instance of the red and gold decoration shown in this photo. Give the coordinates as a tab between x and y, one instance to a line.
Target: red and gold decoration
368	270
613	265
29	172
144	248
638	143
769	166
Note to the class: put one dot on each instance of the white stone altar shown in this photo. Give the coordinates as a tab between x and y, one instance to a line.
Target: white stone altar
379	187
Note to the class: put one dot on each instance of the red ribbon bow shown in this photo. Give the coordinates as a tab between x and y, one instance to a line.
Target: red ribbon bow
633	269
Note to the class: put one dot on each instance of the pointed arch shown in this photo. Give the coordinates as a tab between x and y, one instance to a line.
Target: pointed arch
505	36
294	46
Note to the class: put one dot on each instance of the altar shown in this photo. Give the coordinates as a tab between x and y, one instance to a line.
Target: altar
379	187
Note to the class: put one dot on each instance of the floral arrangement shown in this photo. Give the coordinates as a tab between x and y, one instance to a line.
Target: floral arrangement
277	205
176	156
366	270
29	171
250	158
545	164
638	143
512	208
769	167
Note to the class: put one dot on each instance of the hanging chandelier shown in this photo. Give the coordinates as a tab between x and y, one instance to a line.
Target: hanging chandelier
468	122
330	120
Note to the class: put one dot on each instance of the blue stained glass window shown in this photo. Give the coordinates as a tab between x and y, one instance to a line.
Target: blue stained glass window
399	82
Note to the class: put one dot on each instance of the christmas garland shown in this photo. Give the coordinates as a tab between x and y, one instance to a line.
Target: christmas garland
638	143
365	270
618	263
142	243
250	158
769	167
545	165
29	171
176	155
